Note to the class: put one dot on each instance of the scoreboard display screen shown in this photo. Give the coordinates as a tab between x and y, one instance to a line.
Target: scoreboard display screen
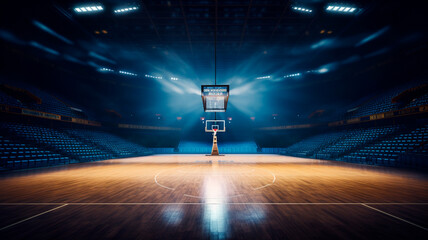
215	97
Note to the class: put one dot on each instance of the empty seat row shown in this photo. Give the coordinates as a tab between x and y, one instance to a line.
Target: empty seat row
16	155
384	145
116	145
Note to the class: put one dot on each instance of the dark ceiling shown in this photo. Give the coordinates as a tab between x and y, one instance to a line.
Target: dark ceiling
341	57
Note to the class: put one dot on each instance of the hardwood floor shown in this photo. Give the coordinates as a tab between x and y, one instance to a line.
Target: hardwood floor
202	197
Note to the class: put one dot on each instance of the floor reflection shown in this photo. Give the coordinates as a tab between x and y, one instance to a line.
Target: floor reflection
215	220
173	215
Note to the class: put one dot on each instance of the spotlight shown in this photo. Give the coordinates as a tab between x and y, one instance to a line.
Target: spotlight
300	9
88	9
340	9
154	77
127	73
105	69
265	77
322	70
123	10
292	75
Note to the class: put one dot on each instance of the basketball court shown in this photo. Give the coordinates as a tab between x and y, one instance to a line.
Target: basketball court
213	120
217	197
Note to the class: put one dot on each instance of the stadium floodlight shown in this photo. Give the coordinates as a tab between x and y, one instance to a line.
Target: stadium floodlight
174	79
103	69
264	77
154	77
292	75
301	9
322	70
340	9
127	73
123	10
91	9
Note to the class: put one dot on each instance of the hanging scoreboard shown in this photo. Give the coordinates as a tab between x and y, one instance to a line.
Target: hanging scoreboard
215	97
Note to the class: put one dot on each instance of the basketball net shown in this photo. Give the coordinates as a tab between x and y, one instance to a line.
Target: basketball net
215	131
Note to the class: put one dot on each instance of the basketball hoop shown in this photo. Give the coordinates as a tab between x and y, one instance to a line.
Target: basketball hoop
214	127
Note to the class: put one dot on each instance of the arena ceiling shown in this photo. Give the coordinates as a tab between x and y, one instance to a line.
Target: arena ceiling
340	56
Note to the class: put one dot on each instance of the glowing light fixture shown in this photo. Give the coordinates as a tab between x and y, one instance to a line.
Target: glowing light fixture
124	10
174	79
300	9
265	77
340	9
150	76
127	73
293	75
87	9
105	70
322	70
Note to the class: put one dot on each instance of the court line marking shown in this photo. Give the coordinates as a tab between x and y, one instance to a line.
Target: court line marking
160	185
192	196
156	176
208	198
29	218
267	185
187	195
203	203
388	214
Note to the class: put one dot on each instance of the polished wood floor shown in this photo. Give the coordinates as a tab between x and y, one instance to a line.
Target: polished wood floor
201	197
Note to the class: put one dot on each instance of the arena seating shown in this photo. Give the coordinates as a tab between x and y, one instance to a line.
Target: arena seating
353	139
28	146
59	141
377	104
15	155
385	145
311	145
383	102
423	100
109	142
390	150
49	104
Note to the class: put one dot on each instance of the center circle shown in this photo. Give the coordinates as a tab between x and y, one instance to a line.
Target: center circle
214	180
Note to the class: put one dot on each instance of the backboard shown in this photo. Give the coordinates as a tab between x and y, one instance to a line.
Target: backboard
211	125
